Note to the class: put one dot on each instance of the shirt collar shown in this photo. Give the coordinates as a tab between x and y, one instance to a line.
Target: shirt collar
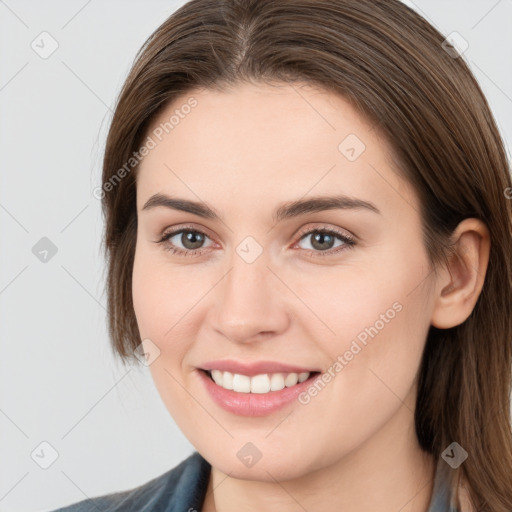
191	490
443	499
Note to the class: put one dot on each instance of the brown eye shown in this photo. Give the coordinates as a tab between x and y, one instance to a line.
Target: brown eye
191	240
323	240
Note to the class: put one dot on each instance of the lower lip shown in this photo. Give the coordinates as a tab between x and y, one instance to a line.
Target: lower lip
253	404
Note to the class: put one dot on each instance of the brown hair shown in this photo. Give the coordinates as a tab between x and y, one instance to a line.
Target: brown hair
389	63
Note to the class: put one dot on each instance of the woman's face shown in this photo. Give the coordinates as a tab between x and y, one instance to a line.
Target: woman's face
262	282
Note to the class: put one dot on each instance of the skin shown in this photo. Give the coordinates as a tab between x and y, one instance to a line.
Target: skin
244	152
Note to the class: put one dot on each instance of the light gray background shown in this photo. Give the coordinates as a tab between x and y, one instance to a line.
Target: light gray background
59	382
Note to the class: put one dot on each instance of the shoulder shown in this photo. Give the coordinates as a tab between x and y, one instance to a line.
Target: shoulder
181	488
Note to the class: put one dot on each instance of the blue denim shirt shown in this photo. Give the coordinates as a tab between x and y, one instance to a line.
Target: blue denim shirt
183	489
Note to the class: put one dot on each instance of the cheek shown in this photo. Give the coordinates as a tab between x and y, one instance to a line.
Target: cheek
169	304
160	311
160	300
147	301
374	355
376	319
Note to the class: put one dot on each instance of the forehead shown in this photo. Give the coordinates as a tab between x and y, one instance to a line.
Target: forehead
266	141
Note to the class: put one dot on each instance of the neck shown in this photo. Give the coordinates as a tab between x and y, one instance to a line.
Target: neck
389	472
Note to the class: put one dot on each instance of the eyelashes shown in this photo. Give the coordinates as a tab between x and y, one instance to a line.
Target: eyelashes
177	250
347	241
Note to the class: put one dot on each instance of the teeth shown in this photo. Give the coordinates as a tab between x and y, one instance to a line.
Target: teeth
261	384
241	383
277	382
291	380
303	376
227	380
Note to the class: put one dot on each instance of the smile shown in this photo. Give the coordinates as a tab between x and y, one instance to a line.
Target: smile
257	395
263	383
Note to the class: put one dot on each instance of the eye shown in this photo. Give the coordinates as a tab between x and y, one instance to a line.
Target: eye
323	240
191	239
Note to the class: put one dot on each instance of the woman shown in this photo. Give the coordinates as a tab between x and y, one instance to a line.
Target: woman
308	230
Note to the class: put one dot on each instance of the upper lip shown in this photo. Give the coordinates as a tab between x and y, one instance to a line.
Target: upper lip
255	368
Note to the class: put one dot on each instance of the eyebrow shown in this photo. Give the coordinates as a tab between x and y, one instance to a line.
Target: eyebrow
287	210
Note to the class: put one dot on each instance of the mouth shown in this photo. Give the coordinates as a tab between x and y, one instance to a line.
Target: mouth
264	383
257	395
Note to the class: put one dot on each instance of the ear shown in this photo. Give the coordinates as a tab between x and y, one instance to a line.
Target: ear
458	286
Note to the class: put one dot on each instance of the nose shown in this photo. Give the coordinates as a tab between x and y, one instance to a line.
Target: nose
250	306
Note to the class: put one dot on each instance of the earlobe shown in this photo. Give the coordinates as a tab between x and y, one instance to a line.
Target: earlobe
459	286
